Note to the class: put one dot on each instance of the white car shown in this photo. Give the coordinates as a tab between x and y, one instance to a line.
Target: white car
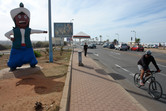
154	46
121	46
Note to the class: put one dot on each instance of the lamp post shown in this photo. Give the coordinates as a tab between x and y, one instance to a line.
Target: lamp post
108	38
100	38
135	33
118	36
50	32
71	20
73	32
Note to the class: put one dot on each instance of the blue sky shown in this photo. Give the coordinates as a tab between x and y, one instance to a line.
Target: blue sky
95	17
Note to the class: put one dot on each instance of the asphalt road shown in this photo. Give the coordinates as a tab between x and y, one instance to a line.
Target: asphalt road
122	65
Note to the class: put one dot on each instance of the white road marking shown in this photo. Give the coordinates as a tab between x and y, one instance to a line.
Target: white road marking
162	74
130	73
115	53
115	57
161	65
96	54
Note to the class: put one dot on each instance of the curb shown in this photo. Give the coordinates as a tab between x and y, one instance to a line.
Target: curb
64	104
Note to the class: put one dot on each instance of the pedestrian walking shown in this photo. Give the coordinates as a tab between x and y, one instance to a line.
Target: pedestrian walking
85	49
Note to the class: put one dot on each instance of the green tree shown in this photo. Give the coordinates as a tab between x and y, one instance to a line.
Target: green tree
115	41
137	40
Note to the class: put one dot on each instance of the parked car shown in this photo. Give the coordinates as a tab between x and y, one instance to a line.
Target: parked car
145	46
155	46
105	45
121	46
92	46
111	46
128	47
137	48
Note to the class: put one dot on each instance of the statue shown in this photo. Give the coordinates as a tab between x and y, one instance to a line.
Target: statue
21	51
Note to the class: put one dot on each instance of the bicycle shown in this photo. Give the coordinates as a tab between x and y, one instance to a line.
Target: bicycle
155	89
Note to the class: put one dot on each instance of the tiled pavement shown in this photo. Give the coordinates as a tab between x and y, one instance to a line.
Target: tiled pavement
93	90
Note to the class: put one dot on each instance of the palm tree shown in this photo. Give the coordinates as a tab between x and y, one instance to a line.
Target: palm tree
137	40
115	41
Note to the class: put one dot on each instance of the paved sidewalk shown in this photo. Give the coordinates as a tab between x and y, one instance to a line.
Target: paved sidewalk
93	90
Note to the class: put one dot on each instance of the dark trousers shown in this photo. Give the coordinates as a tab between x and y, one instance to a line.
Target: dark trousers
85	52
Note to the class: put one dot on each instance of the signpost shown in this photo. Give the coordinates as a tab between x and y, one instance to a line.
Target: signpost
50	32
63	30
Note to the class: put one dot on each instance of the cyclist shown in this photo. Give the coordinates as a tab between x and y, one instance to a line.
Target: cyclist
143	64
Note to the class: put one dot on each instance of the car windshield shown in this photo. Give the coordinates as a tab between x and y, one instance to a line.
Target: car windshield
124	44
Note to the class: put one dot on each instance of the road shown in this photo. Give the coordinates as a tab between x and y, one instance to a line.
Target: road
122	65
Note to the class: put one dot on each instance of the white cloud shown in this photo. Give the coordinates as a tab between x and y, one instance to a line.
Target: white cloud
95	17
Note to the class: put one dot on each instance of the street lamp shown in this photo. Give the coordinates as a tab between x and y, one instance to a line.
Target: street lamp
118	36
135	33
100	38
71	20
73	32
108	37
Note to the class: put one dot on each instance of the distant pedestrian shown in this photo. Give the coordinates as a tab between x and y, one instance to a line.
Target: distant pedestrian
85	49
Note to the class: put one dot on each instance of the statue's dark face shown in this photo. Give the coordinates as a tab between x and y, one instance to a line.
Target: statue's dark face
21	20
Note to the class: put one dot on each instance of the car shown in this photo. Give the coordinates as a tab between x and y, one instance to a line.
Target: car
145	45
105	45
111	46
92	46
150	46
155	46
137	48
128	47
122	46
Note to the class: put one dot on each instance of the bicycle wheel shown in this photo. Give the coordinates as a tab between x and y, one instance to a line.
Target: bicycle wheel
155	90
137	80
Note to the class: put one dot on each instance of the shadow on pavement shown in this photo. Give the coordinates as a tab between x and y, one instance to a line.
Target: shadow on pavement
101	71
94	75
162	100
89	67
117	76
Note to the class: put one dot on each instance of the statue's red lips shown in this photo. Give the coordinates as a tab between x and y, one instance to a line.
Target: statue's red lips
22	22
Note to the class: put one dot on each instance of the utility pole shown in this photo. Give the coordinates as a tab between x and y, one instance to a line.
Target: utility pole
135	34
50	32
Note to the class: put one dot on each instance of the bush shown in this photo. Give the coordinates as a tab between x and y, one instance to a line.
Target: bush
1	55
40	44
2	47
37	53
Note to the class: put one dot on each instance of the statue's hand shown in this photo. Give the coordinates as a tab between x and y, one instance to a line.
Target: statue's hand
12	39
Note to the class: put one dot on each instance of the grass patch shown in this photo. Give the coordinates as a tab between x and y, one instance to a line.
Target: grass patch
37	53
